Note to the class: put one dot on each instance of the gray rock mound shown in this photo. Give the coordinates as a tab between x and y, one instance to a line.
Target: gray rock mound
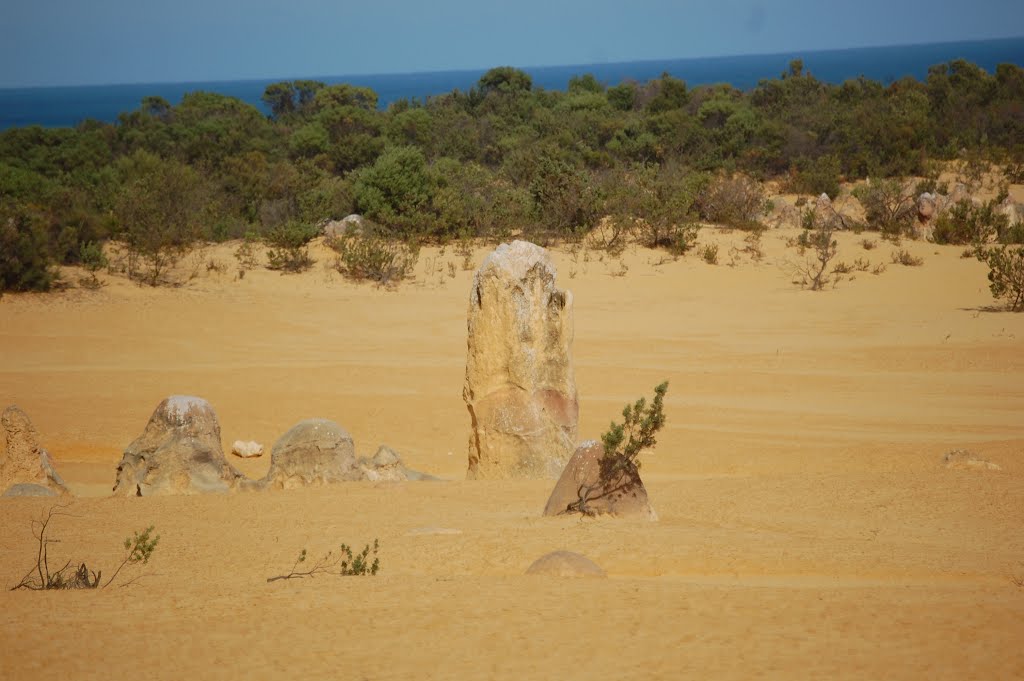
178	453
565	564
24	460
313	452
520	389
28	489
623	496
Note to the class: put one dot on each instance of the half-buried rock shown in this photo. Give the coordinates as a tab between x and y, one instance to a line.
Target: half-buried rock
386	466
313	452
565	564
588	488
24	463
520	388
178	453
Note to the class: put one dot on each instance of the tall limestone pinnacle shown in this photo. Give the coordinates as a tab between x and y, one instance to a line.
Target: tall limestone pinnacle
520	389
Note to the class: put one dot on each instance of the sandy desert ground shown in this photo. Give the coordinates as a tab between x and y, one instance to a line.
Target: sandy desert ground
809	528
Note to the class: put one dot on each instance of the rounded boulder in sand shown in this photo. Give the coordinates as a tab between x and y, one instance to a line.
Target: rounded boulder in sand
623	495
178	453
24	461
312	452
565	564
520	389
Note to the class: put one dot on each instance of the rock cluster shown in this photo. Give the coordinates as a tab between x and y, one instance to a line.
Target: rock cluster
520	389
25	467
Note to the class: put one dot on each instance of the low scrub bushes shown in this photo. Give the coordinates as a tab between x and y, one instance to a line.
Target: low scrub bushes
733	201
889	206
372	257
138	549
967	223
288	250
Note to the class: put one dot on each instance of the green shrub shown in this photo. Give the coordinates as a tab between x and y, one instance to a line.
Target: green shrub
344	564
287	250
623	444
25	262
814	272
818	176
1006	273
710	254
967	223
889	206
372	257
734	201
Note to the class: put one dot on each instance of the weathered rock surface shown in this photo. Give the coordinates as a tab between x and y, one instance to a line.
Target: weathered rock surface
313	452
624	496
247	449
962	459
24	460
178	453
520	389
565	564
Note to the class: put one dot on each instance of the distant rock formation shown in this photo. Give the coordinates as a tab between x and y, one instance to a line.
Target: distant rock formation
623	496
178	453
312	452
565	564
24	461
520	388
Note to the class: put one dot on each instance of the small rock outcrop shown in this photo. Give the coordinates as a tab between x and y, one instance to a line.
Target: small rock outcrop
178	453
826	216
926	206
565	564
962	459
247	449
623	496
24	461
386	466
350	224
312	452
520	389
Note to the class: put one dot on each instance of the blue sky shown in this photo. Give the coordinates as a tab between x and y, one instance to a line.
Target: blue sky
75	42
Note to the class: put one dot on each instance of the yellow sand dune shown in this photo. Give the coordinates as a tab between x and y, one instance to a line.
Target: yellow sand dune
809	528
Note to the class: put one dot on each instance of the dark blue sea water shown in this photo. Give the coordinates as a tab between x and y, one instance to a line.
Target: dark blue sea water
66	106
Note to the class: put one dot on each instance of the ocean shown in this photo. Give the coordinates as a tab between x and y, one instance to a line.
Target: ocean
67	106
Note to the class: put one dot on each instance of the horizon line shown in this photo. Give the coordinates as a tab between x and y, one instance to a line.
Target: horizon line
535	67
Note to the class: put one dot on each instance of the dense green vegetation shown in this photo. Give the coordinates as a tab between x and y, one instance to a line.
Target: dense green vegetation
502	157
